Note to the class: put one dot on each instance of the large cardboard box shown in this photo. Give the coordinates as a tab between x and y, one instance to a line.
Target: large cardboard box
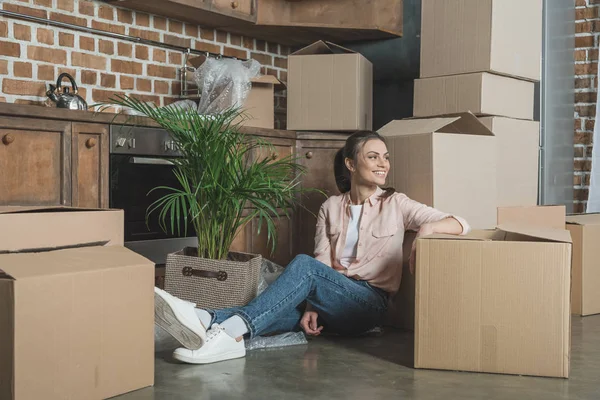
518	144
330	88
585	230
76	307
552	217
462	36
479	93
446	163
495	301
401	308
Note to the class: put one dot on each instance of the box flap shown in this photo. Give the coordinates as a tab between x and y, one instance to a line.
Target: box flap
27	229
322	47
72	261
466	123
552	217
415	126
443	236
269	79
462	123
26	209
584	219
554	235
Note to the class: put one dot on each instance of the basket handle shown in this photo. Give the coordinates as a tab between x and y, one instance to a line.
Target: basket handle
218	275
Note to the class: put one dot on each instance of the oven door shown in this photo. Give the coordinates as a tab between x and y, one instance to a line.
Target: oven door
132	180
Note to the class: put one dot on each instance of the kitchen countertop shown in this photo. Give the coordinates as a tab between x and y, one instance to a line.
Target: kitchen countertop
33	111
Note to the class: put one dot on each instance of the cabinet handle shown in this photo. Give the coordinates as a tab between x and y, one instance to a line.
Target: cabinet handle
91	142
8	139
234	4
309	154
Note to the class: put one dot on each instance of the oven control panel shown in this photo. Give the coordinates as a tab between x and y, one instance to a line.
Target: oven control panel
125	139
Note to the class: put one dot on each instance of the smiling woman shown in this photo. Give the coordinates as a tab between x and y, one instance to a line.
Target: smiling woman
345	288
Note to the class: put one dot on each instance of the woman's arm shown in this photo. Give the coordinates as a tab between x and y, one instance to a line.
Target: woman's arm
418	216
322	244
449	225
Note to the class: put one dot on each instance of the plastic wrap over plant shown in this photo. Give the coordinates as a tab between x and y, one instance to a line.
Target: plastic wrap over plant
282	340
224	83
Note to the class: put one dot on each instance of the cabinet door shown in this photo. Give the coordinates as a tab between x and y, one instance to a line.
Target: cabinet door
90	165
282	254
316	153
35	162
221	14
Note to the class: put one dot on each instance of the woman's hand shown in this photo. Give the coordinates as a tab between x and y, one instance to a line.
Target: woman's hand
309	323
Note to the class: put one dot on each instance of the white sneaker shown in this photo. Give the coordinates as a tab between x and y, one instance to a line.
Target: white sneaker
219	346
178	318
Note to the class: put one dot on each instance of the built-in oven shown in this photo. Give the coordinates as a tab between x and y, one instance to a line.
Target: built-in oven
139	163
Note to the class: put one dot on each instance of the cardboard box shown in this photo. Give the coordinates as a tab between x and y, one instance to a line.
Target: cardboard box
552	217
497	301
76	307
330	88
479	93
260	103
463	36
518	144
585	230
446	163
401	308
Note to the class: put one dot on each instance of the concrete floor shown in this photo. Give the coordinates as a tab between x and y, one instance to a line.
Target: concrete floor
367	368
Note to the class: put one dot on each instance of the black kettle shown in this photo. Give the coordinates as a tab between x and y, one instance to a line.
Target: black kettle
63	97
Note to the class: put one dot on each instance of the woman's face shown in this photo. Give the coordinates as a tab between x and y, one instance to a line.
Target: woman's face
371	165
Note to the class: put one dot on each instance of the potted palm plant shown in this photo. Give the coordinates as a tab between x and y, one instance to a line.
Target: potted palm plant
223	185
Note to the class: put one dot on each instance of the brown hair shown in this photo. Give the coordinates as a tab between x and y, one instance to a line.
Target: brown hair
350	150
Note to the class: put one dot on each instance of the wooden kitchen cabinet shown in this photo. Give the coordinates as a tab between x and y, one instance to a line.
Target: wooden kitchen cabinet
35	162
220	14
316	152
90	148
289	22
52	163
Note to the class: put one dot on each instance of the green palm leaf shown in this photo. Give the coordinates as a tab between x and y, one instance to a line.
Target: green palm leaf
223	182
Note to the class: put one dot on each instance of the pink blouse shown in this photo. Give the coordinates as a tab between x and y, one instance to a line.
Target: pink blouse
381	233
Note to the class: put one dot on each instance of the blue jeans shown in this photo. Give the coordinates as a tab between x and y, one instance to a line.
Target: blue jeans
345	306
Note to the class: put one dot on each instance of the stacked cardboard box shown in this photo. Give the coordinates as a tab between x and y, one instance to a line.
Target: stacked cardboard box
484	56
330	88
445	163
497	300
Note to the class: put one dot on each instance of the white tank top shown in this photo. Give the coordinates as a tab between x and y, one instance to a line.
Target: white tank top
349	252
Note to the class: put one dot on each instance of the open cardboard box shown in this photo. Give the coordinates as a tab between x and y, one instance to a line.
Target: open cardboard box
76	307
494	301
585	229
448	163
260	103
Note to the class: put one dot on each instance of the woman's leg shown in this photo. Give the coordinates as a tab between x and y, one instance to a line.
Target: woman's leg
347	305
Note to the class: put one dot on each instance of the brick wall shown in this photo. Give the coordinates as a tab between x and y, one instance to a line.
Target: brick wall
33	55
586	85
